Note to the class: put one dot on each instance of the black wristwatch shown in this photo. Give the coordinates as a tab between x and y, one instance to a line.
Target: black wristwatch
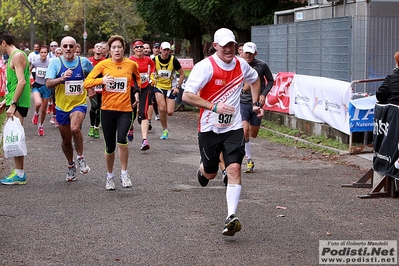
13	103
256	104
178	86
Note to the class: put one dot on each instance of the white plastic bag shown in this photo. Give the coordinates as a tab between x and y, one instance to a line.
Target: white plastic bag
14	139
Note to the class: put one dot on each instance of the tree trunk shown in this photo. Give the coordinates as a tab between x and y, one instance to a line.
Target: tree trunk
32	28
243	36
196	47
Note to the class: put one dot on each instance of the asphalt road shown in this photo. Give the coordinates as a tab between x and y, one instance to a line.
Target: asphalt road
167	218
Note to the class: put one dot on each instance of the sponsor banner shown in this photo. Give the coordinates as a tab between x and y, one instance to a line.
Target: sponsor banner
186	63
321	100
361	114
352	252
385	140
278	99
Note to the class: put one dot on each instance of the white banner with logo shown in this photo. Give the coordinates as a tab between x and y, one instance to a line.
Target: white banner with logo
321	100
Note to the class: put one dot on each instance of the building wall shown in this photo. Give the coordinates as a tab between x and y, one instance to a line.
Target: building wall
357	46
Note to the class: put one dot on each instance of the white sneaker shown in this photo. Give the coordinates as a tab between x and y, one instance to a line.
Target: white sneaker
110	185
156	117
84	168
71	173
125	180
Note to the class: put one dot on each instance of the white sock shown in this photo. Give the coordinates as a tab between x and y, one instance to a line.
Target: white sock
248	153
233	193
123	172
110	175
20	172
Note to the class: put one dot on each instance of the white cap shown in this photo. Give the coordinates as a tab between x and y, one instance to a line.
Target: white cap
165	45
249	47
53	43
223	36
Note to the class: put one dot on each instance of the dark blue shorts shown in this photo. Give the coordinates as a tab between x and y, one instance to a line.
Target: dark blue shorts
249	115
167	93
63	118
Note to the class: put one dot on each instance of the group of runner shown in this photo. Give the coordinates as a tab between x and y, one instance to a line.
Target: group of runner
65	77
116	85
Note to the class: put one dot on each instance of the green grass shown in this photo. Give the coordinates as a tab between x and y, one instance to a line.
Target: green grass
270	131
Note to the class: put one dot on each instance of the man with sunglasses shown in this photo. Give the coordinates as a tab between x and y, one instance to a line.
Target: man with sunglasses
147	74
17	99
66	74
53	46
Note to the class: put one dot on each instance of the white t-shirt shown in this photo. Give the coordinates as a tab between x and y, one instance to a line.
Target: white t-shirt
230	94
32	57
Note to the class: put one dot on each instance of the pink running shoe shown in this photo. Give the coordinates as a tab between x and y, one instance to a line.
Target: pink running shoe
40	130
35	118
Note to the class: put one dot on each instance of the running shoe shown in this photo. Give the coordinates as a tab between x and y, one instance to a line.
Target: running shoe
35	119
231	226
96	132
157	117
91	132
145	145
49	108
71	173
202	179
110	184
125	180
130	135
250	167
84	168
165	134
40	130
149	126
14	179
224	176
53	121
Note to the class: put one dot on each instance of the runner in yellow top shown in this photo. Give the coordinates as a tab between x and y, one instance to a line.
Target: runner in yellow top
122	81
165	92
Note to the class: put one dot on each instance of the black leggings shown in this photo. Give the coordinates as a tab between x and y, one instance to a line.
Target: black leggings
95	105
115	123
145	98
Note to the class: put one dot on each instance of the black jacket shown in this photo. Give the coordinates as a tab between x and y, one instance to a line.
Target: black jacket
388	92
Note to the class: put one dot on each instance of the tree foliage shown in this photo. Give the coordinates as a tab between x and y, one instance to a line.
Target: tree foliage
109	17
169	18
45	20
190	17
